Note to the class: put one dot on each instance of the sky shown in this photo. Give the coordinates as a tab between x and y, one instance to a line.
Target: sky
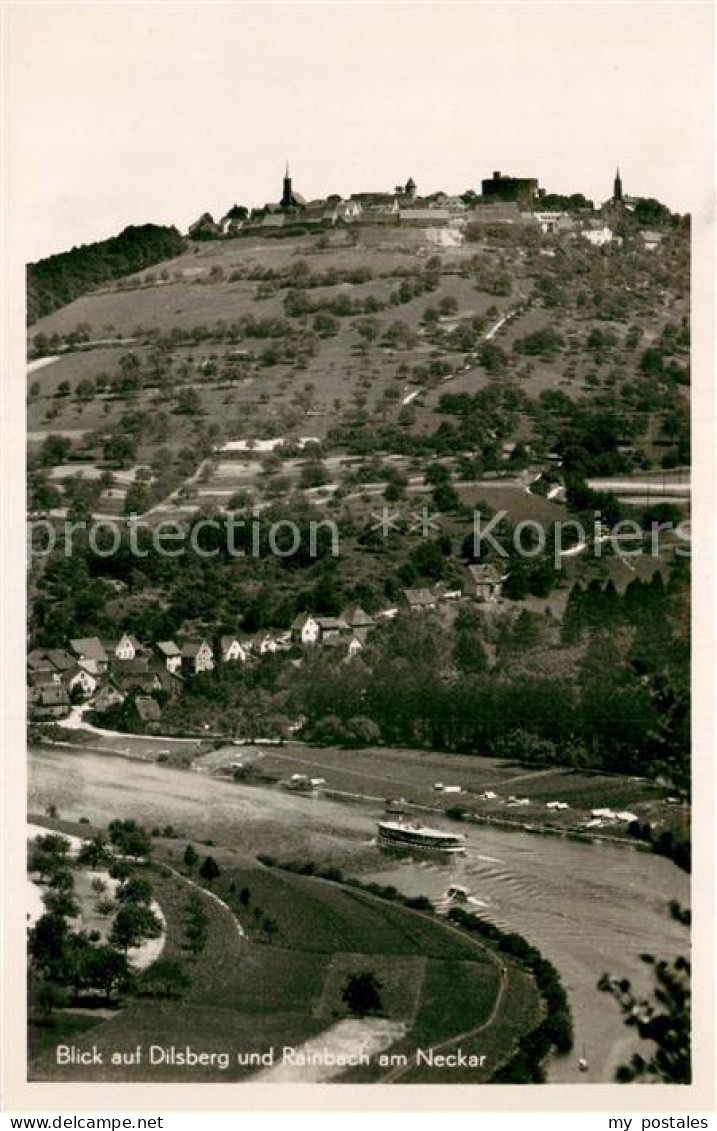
157	112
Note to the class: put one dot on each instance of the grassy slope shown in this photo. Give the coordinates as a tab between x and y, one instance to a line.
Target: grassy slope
249	995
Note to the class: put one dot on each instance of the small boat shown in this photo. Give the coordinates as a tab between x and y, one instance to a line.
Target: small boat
396	806
583	1062
458	893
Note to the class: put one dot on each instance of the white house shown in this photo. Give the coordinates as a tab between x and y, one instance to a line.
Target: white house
198	655
305	630
598	236
264	643
485	580
84	679
126	647
232	650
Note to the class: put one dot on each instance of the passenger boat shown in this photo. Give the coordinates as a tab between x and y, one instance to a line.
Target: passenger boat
404	834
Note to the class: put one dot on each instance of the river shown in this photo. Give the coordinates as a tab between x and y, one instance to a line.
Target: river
590	909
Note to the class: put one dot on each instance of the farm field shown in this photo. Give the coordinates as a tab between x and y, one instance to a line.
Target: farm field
385	773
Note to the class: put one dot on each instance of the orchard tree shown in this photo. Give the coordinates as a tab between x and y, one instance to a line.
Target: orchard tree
362	994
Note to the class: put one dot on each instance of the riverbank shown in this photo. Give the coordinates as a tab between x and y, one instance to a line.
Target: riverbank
547	801
590	909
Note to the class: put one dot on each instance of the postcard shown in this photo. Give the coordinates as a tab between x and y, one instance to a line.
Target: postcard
356	737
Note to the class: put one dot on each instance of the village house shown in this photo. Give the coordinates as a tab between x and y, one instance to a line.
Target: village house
90	652
126	648
197	656
48	703
357	641
651	241
136	679
264	643
355	617
597	234
485	581
548	221
86	681
41	671
305	630
108	696
170	655
61	660
330	627
232	650
348	211
346	647
418	600
164	680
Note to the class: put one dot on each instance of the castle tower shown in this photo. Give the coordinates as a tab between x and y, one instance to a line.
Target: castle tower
287	198
617	189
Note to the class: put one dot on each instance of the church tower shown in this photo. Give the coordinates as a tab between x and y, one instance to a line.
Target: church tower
617	189
287	198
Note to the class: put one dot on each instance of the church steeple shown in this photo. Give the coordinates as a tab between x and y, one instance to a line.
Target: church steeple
287	198
617	188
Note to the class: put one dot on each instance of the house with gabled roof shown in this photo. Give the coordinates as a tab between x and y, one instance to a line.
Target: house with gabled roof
305	630
331	626
170	655
109	695
418	600
48	703
197	656
232	650
61	660
126	648
485	581
84	680
355	617
90	651
169	682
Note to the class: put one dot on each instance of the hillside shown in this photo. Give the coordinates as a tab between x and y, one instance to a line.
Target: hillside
393	384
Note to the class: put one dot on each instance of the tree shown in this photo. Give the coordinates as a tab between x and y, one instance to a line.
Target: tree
130	838
190	858
209	870
362	994
120	450
167	974
94	853
189	403
133	924
55	450
196	924
468	652
107	969
135	890
46	944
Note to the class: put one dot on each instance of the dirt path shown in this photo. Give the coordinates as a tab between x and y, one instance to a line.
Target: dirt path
396	1073
344	1042
212	895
